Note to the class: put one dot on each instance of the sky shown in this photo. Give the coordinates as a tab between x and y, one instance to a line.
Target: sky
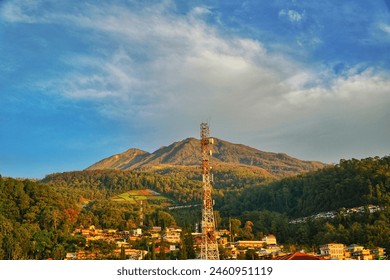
83	80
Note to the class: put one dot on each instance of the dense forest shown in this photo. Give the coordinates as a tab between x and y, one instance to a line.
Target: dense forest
36	220
99	184
348	184
351	183
38	217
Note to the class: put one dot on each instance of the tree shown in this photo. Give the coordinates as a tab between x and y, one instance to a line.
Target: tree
165	219
123	253
217	218
162	255
235	225
153	250
186	250
59	252
182	255
247	233
42	244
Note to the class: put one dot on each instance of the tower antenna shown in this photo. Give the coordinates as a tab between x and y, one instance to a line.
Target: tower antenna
209	245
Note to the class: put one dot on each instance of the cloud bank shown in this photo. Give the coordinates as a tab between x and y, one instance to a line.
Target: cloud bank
164	71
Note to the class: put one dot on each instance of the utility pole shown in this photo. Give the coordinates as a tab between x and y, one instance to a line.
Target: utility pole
209	246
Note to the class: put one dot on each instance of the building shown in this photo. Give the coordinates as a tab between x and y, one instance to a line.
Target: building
270	250
122	243
172	234
223	232
155	232
251	244
333	251
364	254
269	239
354	248
379	253
132	254
137	231
71	256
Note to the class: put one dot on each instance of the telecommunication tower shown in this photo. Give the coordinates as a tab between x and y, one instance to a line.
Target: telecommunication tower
209	246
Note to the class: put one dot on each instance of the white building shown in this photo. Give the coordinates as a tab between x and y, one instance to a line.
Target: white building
269	239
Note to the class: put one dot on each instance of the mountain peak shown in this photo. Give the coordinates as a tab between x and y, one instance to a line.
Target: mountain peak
121	161
187	153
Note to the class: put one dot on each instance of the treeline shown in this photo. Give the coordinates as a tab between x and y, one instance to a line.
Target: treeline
183	186
348	184
269	208
36	220
100	184
367	229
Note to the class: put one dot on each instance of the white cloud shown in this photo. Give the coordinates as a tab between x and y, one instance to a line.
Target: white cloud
292	15
23	11
184	58
385	28
344	93
164	71
166	55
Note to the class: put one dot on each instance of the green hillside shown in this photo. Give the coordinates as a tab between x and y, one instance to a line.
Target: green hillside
348	184
135	196
37	218
100	184
351	183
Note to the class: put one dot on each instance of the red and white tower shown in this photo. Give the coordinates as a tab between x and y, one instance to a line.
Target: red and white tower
209	246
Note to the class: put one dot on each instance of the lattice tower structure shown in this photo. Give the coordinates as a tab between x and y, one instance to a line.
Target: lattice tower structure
209	245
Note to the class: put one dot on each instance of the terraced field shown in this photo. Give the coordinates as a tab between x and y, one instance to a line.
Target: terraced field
134	196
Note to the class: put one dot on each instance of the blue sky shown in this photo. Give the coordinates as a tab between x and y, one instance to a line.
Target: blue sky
82	80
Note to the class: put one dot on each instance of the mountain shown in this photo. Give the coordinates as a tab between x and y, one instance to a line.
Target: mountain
122	161
186	154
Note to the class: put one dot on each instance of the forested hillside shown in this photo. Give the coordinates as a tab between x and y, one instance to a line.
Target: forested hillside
98	184
37	218
269	208
182	185
350	183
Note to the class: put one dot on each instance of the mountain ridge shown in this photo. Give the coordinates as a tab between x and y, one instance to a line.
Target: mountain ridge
187	154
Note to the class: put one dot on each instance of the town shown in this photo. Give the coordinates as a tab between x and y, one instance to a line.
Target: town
159	243
344	212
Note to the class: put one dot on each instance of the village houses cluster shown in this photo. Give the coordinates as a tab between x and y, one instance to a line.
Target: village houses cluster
266	248
343	211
